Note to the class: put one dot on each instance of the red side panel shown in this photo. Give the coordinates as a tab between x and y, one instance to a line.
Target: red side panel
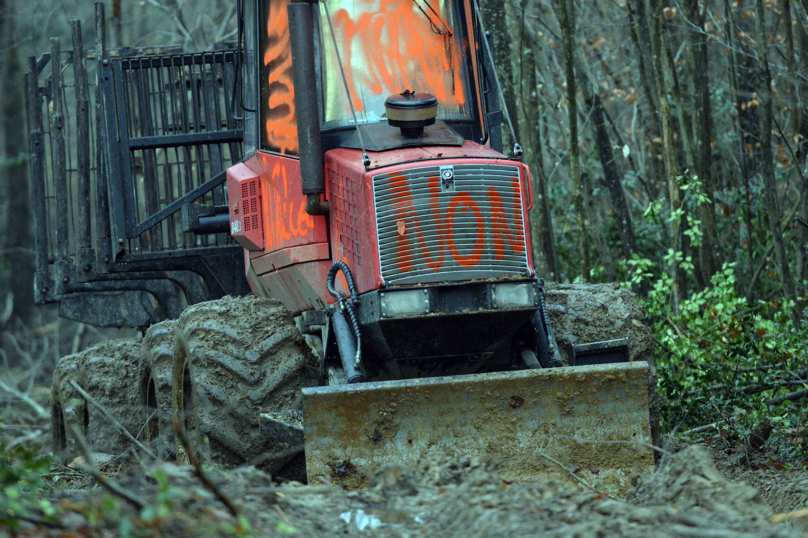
286	222
353	221
289	247
246	207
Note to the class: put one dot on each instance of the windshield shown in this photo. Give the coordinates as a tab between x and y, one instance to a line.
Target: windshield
387	47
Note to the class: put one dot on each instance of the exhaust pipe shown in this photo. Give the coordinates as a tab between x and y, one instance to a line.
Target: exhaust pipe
307	108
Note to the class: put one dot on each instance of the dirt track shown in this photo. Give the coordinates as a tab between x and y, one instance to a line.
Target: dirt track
688	496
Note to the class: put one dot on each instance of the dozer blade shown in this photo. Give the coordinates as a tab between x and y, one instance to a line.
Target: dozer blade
591	421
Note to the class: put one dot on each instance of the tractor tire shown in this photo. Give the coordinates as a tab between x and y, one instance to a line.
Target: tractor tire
582	313
157	366
111	374
68	408
235	359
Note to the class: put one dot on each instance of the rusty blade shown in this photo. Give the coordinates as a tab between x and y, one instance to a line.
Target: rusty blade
536	424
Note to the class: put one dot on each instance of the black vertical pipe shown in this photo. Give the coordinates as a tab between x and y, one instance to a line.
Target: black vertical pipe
36	152
307	108
58	150
84	235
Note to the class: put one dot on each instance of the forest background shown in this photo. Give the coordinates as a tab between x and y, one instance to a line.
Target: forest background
669	147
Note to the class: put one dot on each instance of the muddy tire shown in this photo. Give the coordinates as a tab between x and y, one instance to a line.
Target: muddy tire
155	394
234	359
111	375
582	313
68	408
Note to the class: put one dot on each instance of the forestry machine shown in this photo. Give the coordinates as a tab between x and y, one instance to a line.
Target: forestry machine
323	215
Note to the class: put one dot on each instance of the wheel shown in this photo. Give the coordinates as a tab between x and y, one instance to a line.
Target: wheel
111	374
155	389
234	359
68	408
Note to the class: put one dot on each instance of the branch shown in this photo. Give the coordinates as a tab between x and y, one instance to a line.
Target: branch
701	429
768	252
789	516
90	468
200	473
38	409
792	396
112	420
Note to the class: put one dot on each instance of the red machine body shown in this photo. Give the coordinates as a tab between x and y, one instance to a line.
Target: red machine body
291	258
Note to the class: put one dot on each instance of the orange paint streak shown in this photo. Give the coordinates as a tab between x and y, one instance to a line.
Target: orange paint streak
411	226
479	243
397	50
499	224
285	218
279	108
437	216
403	205
304	220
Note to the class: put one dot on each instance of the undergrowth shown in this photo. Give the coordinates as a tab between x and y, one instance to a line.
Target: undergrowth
725	367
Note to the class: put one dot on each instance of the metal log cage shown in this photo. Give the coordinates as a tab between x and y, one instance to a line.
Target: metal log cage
128	150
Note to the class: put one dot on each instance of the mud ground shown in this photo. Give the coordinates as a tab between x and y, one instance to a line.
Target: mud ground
687	497
697	491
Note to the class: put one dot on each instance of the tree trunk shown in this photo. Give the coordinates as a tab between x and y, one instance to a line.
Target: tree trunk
566	19
743	180
16	240
703	126
542	231
769	180
606	156
597	222
494	14
638	28
801	129
671	168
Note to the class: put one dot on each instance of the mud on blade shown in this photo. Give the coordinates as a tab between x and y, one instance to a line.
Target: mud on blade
593	420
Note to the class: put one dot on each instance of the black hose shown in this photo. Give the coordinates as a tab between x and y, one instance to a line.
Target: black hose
345	304
554	358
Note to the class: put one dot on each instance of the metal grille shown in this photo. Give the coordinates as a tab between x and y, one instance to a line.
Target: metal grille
251	205
344	212
475	229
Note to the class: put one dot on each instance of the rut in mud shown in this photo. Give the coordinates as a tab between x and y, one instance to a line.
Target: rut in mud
687	497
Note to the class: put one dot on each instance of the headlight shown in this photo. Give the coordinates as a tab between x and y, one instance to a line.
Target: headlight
404	303
513	295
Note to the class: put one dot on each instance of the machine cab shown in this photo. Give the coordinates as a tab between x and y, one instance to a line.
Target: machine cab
440	204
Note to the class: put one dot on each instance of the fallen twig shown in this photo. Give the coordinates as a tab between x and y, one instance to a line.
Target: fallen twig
40	522
90	468
619	442
570	473
24	439
796	395
701	429
38	409
200	473
749	389
789	516
114	422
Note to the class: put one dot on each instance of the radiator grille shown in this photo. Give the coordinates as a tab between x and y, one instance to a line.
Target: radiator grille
475	231
251	205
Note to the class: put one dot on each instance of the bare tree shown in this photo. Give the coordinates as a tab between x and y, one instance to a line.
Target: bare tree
769	180
16	240
566	18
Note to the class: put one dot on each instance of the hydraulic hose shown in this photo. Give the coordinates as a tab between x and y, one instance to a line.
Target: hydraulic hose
346	306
